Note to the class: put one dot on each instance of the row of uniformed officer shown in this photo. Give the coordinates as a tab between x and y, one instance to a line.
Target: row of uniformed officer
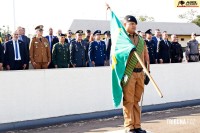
76	53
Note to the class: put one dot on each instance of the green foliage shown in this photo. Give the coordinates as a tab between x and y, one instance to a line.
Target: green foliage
4	30
197	20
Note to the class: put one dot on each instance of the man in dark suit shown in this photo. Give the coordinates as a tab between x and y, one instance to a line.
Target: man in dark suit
108	47
26	41
16	54
1	56
97	50
164	49
55	39
69	36
157	38
176	50
50	39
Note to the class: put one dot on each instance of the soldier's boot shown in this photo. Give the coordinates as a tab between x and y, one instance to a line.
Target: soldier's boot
131	131
139	130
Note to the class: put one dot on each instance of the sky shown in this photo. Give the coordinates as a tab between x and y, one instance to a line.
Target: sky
59	14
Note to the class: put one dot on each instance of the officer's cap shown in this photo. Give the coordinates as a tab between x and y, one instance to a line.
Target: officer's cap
8	35
62	35
130	18
148	31
79	32
97	32
69	31
107	32
39	27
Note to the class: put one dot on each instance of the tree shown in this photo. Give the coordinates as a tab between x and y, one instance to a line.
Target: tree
197	20
189	15
144	18
4	30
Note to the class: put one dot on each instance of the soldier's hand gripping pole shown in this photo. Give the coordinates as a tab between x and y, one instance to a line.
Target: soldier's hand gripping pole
148	74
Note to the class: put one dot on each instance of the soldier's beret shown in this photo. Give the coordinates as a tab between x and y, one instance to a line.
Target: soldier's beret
130	18
62	34
79	31
107	32
39	27
97	32
88	31
148	31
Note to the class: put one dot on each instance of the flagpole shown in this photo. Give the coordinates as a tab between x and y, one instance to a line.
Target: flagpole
148	74
14	20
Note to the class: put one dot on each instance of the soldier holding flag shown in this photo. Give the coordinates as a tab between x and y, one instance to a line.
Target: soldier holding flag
128	53
134	87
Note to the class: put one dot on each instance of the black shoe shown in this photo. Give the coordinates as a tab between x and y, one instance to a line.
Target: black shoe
139	130
131	131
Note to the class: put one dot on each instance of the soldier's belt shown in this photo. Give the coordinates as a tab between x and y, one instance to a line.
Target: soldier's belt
137	70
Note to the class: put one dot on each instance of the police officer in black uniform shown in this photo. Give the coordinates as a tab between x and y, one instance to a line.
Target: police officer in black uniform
78	51
151	45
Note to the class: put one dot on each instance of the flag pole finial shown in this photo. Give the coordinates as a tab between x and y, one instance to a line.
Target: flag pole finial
107	6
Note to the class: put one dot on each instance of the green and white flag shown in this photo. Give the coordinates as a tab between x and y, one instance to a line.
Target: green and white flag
120	50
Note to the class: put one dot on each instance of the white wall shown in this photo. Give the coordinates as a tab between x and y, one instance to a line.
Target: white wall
36	94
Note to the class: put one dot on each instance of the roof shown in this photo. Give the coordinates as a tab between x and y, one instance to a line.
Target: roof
170	27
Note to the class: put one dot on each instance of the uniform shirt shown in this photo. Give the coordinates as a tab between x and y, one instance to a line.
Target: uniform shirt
193	46
61	54
151	50
97	52
135	40
40	50
78	53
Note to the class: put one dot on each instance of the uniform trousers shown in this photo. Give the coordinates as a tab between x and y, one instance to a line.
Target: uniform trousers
131	96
